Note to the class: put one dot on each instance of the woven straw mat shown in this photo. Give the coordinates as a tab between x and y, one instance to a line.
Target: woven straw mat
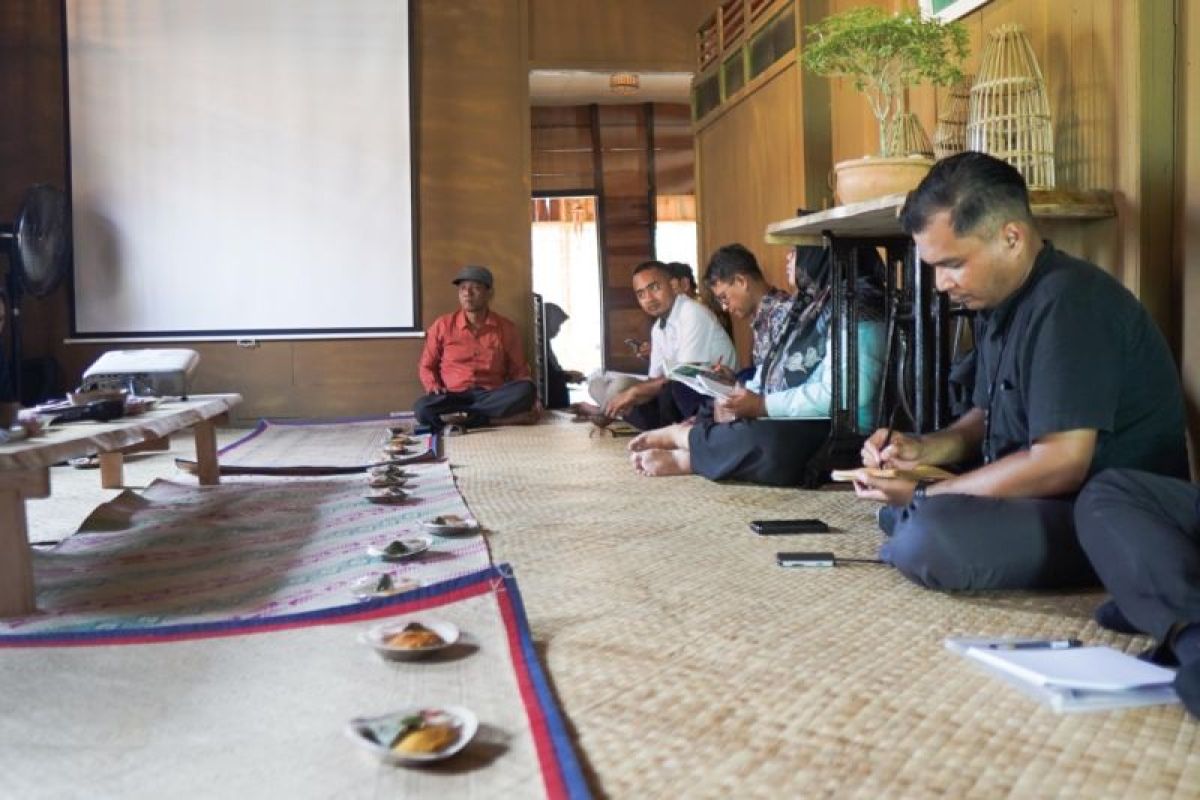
689	665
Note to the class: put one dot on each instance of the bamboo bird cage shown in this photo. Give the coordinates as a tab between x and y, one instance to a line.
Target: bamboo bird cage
950	135
1009	113
908	138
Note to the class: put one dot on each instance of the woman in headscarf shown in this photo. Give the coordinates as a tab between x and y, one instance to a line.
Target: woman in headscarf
766	431
557	378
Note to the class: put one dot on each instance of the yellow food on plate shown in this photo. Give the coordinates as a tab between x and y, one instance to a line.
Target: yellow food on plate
427	739
413	637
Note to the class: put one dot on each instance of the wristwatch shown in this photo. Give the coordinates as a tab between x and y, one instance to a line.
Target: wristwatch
920	490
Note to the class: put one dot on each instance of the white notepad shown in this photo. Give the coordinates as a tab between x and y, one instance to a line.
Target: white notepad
1098	669
1073	679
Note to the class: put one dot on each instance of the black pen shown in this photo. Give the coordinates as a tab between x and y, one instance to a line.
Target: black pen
1047	644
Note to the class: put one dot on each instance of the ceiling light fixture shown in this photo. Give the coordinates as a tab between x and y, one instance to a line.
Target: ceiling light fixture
624	83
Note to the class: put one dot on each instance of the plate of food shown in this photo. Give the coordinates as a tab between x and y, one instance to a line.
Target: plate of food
387	495
384	481
371	587
389	471
414	736
393	448
400	549
403	429
411	639
451	525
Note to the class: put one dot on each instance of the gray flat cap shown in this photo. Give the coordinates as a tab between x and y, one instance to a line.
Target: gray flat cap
474	273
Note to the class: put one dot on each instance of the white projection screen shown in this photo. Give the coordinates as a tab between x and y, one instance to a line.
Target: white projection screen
240	167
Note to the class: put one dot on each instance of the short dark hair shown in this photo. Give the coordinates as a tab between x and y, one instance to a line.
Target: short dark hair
648	265
680	270
979	191
730	260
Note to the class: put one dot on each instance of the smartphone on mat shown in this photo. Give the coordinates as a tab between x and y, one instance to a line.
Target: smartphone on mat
804	559
773	527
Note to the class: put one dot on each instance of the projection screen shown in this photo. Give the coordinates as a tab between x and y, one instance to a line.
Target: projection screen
240	167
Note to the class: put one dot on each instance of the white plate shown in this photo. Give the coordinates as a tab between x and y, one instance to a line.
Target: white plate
388	495
377	636
390	471
415	544
462	718
450	525
364	587
383	482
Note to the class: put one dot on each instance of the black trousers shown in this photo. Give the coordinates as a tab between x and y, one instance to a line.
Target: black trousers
963	542
480	405
675	402
1142	533
773	452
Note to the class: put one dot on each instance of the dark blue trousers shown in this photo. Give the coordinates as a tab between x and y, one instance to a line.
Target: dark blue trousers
1142	533
962	542
480	405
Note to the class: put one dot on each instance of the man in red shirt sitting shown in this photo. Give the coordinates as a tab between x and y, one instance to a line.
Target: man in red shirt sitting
474	363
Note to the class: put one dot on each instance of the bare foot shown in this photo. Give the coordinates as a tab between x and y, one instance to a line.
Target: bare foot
658	439
662	463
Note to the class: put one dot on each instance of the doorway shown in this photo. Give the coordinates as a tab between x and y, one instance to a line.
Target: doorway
566	271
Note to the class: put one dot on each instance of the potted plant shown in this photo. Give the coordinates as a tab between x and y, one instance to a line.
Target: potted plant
884	54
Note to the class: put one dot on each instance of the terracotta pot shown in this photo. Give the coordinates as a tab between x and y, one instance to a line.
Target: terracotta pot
866	178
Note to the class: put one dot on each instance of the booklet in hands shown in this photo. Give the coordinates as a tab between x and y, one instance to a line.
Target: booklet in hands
701	379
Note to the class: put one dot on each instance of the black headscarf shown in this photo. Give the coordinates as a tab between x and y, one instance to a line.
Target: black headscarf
798	352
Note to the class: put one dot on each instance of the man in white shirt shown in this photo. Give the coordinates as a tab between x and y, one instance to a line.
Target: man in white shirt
684	332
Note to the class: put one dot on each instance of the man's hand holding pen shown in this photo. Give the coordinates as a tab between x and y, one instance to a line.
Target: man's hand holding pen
886	449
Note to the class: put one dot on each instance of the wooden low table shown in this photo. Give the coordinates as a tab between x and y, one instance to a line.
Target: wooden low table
25	473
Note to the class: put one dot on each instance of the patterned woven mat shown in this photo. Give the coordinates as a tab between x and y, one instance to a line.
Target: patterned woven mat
691	666
239	715
309	447
180	554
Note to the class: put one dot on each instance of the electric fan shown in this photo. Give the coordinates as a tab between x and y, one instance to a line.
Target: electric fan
39	252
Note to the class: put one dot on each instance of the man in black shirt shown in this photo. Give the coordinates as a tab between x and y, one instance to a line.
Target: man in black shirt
1072	376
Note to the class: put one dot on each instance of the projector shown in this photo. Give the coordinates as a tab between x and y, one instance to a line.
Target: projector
143	372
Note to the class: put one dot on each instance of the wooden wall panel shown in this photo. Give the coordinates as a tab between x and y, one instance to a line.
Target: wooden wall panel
751	171
32	134
1187	209
626	229
561	149
656	35
474	163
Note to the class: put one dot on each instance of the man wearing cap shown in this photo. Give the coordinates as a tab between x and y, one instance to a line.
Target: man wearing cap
474	363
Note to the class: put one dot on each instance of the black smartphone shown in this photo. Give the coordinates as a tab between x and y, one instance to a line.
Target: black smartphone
804	559
773	527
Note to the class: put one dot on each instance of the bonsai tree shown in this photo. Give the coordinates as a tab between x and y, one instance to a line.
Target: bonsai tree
884	54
